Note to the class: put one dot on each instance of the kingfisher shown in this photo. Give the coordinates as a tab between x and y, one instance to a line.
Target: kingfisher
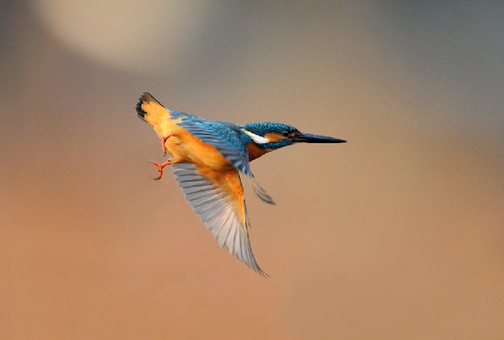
207	157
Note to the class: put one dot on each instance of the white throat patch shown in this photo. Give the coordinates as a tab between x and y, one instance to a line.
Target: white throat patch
256	138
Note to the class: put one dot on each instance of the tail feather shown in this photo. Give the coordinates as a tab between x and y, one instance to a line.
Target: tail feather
150	110
145	98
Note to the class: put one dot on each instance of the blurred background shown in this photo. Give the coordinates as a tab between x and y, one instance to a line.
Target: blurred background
398	234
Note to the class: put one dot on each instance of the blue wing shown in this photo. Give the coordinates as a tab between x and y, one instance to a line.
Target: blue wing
227	139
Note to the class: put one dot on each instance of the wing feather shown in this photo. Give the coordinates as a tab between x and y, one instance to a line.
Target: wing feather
221	209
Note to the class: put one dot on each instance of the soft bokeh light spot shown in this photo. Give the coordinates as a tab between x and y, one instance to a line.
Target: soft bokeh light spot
146	36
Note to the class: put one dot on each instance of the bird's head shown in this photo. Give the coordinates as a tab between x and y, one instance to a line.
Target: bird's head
272	136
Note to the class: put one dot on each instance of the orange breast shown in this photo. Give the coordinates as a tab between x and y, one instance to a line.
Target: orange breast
184	147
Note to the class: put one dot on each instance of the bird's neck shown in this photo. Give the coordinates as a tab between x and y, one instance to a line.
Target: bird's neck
255	152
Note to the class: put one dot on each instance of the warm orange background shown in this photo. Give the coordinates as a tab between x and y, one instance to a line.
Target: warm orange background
398	234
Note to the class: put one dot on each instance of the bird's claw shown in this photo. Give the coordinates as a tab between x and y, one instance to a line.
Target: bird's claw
160	169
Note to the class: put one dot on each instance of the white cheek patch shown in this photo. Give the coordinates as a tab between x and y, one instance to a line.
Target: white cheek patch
256	138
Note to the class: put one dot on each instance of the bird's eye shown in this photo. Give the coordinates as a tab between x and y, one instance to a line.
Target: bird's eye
285	133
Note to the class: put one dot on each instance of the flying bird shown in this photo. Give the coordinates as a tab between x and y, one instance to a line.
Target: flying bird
207	157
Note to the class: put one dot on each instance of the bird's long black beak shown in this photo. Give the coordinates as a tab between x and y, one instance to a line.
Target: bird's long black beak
309	138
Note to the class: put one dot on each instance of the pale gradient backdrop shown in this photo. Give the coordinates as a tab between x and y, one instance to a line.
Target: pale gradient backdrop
398	234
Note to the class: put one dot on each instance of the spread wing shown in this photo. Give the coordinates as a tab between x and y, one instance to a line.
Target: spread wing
218	199
226	138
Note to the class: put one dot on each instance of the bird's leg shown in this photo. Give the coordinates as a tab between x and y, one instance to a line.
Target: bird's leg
163	141
160	169
163	145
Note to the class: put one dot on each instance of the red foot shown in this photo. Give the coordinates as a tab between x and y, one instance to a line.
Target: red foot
163	141
160	169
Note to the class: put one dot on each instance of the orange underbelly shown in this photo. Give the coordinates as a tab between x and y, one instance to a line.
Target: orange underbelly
184	147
